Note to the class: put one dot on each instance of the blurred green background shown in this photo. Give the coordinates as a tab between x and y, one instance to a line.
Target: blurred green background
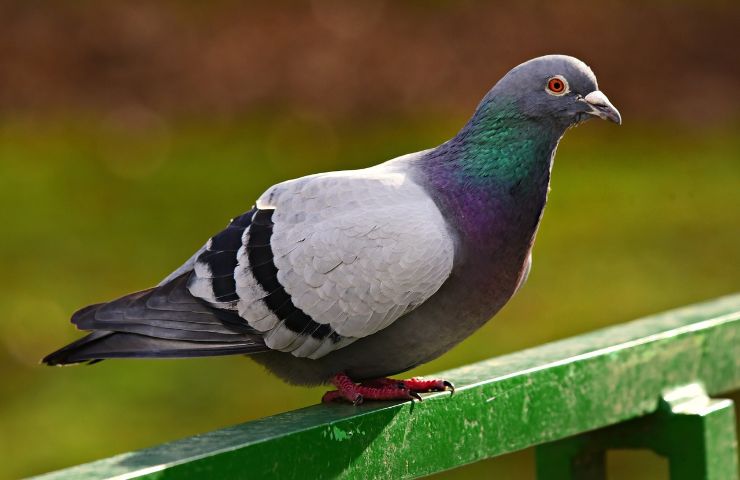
129	133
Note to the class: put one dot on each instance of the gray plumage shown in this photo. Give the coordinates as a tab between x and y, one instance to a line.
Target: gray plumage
369	272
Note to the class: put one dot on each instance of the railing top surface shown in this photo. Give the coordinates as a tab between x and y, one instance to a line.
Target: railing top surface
501	405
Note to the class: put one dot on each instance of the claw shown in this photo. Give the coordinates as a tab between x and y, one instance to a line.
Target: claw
450	386
358	400
415	395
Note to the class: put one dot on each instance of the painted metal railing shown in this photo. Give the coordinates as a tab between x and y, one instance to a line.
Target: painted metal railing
643	384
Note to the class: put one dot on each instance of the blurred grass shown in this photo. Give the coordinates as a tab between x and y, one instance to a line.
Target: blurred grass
640	219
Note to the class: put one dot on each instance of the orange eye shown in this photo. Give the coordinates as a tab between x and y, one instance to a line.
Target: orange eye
556	85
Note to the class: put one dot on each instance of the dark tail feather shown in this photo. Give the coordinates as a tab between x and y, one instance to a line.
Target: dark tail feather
163	322
99	345
64	355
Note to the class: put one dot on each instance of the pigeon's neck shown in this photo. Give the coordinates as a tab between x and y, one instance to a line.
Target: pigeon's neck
493	176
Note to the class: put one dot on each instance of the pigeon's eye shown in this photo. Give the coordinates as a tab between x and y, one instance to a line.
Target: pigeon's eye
557	86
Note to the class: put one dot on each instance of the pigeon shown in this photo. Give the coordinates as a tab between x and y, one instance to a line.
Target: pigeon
351	277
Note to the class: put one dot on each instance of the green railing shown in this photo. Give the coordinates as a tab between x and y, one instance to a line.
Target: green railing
643	384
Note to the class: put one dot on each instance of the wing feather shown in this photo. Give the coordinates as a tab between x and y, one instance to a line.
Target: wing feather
326	259
354	251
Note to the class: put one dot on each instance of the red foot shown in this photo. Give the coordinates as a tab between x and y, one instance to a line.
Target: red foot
383	389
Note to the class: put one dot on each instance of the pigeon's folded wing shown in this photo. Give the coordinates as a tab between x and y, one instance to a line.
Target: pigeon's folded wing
330	258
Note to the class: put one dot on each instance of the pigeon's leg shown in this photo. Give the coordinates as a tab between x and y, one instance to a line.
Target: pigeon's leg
356	394
346	389
416	384
382	389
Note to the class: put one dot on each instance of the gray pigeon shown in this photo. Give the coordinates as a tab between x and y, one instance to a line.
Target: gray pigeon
349	277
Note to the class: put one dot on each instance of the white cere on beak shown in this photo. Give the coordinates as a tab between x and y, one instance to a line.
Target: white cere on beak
602	107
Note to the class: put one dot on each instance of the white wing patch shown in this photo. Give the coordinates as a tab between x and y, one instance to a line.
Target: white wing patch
355	250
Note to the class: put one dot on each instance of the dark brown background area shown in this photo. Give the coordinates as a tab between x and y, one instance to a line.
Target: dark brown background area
655	59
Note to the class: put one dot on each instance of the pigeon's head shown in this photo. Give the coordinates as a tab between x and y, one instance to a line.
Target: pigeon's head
555	88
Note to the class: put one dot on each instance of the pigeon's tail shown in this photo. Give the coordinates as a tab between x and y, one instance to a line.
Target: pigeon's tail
101	345
162	322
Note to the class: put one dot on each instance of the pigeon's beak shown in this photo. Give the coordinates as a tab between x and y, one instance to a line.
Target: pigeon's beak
601	107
